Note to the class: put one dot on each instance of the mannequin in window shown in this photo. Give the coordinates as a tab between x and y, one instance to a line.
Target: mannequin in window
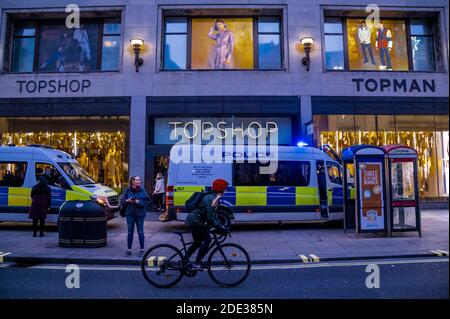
384	45
364	37
221	56
82	38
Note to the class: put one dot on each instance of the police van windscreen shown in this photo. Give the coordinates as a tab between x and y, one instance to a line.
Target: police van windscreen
76	173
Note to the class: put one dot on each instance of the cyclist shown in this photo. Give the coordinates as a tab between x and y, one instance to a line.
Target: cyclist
202	218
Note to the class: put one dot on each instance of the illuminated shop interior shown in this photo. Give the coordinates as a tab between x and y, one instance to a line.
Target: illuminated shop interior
428	134
99	143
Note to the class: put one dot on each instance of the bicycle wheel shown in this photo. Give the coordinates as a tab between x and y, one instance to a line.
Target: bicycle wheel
228	265
162	266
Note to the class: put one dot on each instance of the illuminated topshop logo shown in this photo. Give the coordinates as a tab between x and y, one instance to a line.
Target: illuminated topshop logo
204	142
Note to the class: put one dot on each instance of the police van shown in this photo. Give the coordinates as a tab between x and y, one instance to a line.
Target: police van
22	166
306	186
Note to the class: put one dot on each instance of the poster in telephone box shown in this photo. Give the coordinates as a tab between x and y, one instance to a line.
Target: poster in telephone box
371	196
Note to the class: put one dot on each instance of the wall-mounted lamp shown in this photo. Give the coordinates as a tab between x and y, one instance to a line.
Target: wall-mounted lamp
307	43
137	45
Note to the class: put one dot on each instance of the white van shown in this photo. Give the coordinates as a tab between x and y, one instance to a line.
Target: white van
307	186
22	166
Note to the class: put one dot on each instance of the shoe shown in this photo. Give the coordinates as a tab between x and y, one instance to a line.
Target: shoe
382	67
141	253
128	253
41	235
34	235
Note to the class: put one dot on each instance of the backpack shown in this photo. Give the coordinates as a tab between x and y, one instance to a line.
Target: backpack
193	201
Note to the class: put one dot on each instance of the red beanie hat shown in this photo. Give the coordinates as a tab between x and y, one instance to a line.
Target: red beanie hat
219	185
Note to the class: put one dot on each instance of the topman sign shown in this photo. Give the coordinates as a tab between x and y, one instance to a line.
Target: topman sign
395	85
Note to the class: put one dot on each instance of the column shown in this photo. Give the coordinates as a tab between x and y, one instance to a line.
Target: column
306	132
138	125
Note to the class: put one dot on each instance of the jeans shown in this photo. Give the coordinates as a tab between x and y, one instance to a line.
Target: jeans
367	46
159	199
139	221
202	239
385	56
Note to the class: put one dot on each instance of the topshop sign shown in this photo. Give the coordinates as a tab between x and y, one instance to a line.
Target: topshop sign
53	86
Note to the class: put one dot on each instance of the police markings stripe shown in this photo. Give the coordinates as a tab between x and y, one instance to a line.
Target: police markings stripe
440	252
3	255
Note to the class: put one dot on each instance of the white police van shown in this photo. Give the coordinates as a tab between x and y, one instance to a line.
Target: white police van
22	166
306	186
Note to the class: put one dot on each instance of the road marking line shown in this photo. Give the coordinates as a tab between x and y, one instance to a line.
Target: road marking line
314	258
445	253
436	252
3	255
270	267
304	258
151	261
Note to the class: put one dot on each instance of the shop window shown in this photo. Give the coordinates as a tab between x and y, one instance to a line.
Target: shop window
219	43
422	45
111	45
269	43
99	143
334	44
12	174
175	43
334	173
427	134
49	46
380	46
23	47
357	44
291	174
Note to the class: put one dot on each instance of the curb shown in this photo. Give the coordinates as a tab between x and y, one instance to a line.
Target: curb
23	260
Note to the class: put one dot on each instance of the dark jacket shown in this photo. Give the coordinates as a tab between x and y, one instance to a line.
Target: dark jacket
205	213
139	209
41	198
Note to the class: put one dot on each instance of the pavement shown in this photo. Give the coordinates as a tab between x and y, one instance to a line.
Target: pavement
266	243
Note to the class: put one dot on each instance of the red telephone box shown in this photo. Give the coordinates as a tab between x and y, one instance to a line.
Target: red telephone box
403	189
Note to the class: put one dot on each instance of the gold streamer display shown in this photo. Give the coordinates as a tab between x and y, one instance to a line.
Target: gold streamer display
101	154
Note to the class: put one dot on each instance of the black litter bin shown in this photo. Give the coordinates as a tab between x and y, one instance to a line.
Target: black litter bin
82	224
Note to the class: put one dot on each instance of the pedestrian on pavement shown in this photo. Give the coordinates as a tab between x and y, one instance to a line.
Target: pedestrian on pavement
159	192
41	198
137	200
202	218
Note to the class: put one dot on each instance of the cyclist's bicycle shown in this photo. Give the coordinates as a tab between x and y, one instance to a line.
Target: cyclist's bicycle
228	264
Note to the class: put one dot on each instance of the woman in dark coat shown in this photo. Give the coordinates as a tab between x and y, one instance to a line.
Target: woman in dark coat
41	198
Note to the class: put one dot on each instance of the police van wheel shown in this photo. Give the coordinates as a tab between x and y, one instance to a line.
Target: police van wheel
224	218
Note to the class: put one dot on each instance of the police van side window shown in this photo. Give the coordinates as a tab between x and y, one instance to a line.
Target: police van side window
12	174
247	174
50	174
334	173
292	173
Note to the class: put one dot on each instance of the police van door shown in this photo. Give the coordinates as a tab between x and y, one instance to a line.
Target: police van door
335	193
322	184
